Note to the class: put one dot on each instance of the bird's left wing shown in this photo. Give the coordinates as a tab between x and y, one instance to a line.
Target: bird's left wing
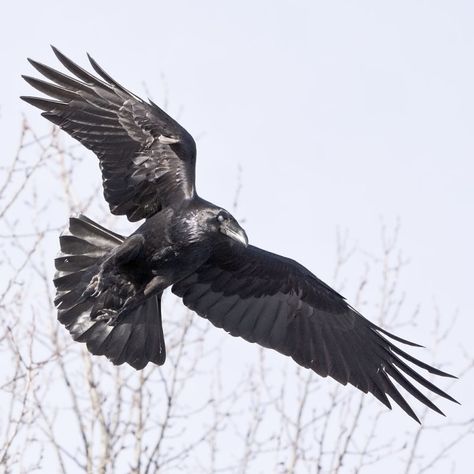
147	159
277	303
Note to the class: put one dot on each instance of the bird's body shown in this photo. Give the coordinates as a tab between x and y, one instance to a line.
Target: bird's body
109	287
169	246
173	244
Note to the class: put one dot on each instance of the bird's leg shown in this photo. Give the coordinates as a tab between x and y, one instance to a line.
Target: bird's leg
133	302
124	253
110	275
157	283
94	288
106	314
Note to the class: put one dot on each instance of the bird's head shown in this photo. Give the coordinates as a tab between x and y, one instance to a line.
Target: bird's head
223	222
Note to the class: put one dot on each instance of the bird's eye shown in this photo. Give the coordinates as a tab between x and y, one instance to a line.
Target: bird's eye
220	218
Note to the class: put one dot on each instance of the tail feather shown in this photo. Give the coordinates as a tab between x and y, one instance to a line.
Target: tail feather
73	263
137	338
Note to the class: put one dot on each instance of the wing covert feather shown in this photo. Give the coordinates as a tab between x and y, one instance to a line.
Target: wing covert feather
279	304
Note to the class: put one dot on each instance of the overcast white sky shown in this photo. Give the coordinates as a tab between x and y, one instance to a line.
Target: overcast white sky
341	114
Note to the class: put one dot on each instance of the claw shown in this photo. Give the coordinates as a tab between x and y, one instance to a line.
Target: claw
108	315
94	288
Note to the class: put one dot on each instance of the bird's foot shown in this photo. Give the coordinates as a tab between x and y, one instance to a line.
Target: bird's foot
95	287
108	315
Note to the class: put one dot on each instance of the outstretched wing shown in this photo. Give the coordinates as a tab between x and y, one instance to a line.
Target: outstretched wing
147	159
277	303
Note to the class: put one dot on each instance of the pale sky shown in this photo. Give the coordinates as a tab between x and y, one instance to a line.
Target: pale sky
341	115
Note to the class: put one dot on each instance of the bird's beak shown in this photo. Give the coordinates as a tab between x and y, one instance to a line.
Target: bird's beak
235	232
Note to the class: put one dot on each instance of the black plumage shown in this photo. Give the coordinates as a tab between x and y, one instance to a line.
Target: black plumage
109	286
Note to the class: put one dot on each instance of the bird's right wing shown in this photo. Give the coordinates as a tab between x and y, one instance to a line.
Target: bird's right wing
147	159
277	303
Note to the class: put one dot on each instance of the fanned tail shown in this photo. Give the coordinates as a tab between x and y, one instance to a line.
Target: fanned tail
137	338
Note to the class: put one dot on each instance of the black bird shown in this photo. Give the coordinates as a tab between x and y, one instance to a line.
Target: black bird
109	286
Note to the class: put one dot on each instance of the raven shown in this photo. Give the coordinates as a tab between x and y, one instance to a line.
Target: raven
109	286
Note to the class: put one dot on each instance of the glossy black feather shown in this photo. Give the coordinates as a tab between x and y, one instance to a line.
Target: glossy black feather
138	337
119	127
300	316
109	287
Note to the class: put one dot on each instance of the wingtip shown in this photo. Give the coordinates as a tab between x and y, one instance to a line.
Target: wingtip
29	79
437	410
412	415
436	371
28	99
37	65
98	69
92	60
409	411
56	52
398	338
35	102
46	105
